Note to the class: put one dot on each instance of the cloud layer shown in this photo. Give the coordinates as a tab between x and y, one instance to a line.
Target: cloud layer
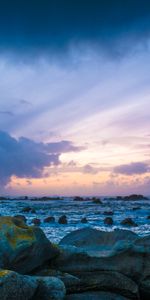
26	158
132	168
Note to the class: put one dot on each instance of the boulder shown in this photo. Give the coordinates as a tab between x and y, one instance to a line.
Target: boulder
95	296
108	281
91	238
63	220
23	248
108	221
49	288
15	286
128	222
96	201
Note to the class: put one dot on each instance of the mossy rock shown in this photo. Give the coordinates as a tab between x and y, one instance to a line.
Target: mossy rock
23	248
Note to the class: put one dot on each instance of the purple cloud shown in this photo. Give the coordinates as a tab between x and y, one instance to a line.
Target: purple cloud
132	168
26	158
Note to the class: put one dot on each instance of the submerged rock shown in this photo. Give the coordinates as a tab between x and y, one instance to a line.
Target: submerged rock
23	248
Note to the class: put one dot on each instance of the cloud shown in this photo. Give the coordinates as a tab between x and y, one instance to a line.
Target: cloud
132	168
26	158
88	169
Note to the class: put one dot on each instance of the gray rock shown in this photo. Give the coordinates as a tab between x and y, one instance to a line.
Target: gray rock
23	248
49	288
14	286
89	237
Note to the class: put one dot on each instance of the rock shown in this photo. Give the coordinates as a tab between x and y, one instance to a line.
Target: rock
108	221
71	282
77	198
63	220
33	211
36	221
128	222
49	220
26	209
108	281
148	217
84	220
49	288
136	208
135	197
21	217
14	286
96	200
23	248
108	213
93	238
95	296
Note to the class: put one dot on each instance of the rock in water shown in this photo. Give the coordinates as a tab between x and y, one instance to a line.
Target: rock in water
14	286
23	248
108	221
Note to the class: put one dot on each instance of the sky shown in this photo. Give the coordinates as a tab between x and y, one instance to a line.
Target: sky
74	97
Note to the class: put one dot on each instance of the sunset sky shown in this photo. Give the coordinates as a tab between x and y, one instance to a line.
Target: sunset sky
74	97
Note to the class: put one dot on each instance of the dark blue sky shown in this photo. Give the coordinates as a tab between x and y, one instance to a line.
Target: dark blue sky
74	96
54	24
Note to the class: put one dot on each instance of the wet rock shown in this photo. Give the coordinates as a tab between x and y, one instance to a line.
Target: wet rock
128	222
95	296
36	221
108	221
63	220
49	220
15	286
23	248
84	220
49	288
148	217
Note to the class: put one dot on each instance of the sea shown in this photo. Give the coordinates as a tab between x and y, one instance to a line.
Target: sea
95	213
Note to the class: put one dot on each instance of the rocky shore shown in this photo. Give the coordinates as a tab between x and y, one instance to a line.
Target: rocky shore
87	264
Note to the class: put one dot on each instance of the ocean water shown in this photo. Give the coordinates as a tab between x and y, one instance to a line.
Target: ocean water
76	210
